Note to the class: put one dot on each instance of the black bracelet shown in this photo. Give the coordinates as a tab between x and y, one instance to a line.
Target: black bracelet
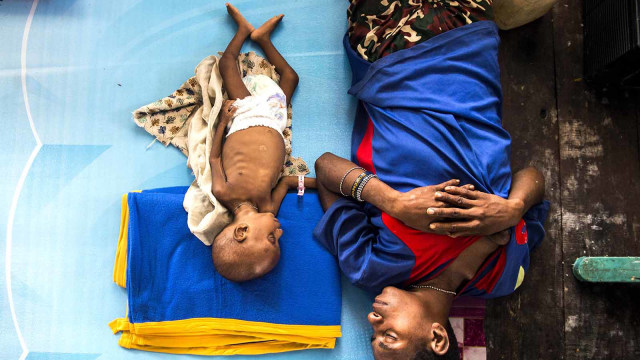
363	183
356	183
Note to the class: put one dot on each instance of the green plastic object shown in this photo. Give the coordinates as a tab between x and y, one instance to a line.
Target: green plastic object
607	269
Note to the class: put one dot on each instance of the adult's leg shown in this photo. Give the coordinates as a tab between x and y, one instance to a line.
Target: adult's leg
228	61
288	76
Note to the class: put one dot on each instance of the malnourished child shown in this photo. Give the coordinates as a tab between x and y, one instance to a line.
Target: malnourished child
247	164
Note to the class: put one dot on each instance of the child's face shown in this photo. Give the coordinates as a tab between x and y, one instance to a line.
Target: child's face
263	237
264	230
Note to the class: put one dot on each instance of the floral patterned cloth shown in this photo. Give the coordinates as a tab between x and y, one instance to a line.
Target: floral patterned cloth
168	118
378	28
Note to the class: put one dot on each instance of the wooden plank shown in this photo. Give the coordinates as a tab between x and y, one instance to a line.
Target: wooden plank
599	168
607	269
528	324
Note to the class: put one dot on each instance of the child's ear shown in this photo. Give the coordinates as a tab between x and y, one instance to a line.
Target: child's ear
240	232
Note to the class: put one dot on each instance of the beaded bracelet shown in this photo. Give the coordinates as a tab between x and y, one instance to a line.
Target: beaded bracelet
363	183
345	176
356	183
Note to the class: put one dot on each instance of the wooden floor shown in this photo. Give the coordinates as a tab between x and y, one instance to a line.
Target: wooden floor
587	144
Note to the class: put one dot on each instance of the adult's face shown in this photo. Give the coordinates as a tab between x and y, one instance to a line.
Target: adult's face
400	324
403	325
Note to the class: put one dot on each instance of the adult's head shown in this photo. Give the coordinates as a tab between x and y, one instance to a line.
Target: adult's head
411	325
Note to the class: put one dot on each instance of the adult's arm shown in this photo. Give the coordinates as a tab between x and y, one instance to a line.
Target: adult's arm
362	251
478	213
410	207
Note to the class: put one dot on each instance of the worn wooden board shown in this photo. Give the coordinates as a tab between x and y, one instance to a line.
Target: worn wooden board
528	324
599	172
606	269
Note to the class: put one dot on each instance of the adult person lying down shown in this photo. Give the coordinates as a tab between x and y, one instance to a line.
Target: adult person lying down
428	208
418	274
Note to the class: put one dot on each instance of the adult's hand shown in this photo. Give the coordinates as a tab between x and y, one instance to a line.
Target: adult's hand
474	212
411	207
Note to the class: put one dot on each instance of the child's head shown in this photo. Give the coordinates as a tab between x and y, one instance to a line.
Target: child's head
248	247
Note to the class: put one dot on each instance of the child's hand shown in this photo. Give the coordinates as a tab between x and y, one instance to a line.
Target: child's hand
227	111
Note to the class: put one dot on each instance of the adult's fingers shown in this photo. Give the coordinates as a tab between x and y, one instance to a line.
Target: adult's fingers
461	191
452	182
455	200
450	213
458	228
432	204
439	204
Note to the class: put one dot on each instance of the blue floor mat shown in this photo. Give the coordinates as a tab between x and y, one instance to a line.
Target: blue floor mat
71	72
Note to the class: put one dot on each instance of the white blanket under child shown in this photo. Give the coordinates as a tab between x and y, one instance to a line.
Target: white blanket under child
187	120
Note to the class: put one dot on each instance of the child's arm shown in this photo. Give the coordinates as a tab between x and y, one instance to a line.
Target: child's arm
285	184
219	179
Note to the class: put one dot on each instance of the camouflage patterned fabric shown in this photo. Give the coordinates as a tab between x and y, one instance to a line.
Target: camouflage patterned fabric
377	28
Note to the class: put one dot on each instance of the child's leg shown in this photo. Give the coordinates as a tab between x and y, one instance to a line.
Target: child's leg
288	76
228	61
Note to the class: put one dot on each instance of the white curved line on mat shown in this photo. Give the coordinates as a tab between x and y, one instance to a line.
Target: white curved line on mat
23	68
21	180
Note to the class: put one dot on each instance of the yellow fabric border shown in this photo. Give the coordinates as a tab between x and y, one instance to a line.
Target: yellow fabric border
223	340
120	267
211	336
208	326
129	341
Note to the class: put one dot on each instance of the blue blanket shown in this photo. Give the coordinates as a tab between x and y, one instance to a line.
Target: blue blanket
170	278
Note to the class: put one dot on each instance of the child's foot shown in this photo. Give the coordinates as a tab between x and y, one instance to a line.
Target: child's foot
264	31
243	25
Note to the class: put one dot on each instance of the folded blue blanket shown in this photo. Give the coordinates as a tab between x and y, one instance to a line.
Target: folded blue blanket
173	288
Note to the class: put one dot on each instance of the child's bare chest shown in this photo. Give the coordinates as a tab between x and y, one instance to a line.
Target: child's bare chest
253	159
